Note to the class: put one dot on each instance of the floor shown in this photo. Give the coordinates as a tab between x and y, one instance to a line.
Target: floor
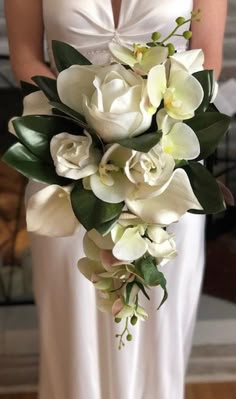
194	391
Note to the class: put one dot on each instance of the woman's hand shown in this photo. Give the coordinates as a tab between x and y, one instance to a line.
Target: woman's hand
25	35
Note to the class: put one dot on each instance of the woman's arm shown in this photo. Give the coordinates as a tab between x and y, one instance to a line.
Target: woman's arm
25	35
208	34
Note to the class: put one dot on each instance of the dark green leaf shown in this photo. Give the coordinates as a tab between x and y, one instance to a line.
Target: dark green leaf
66	56
36	131
91	211
70	112
48	87
104	228
210	128
28	88
205	187
128	290
152	275
142	143
140	285
206	79
21	159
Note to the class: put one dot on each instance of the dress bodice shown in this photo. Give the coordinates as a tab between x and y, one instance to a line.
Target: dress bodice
89	24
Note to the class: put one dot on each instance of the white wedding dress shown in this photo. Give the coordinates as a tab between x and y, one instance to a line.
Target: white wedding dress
79	355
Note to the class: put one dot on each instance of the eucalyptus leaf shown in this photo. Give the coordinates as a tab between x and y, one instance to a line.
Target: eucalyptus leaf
207	81
209	127
48	87
36	132
205	187
21	159
66	56
91	211
142	143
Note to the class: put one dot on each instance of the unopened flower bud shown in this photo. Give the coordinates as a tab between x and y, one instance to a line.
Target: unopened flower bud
171	49
187	34
180	20
117	319
129	337
156	36
133	320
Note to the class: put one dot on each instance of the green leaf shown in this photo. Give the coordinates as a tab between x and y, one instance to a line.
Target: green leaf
205	187
210	128
142	143
66	56
140	285
48	87
28	88
70	112
128	290
21	159
152	275
206	79
36	132
105	228
91	211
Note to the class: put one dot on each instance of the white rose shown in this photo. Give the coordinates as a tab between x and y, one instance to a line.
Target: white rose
111	98
153	168
74	157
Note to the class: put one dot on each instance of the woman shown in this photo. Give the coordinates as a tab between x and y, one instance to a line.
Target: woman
79	356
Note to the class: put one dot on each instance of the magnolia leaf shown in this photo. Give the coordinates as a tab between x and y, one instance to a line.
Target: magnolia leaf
205	188
209	127
70	112
48	87
142	143
206	79
21	159
105	228
66	55
28	88
36	131
91	211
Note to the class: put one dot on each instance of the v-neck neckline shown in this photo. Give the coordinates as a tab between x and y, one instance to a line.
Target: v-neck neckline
116	18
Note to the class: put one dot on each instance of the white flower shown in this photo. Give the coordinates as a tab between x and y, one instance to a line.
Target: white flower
178	139
110	183
181	92
153	168
141	58
74	157
49	212
167	204
35	103
111	98
191	61
133	238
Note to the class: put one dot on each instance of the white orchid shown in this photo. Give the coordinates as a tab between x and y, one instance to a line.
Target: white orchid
178	139
141	57
111	99
191	61
110	184
49	212
134	238
180	91
74	156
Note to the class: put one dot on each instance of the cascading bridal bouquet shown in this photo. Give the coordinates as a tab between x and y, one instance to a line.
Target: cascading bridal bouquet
118	147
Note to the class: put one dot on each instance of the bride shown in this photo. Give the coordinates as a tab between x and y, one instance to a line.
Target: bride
79	356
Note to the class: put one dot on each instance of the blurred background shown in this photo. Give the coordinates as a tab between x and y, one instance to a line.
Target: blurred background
214	350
